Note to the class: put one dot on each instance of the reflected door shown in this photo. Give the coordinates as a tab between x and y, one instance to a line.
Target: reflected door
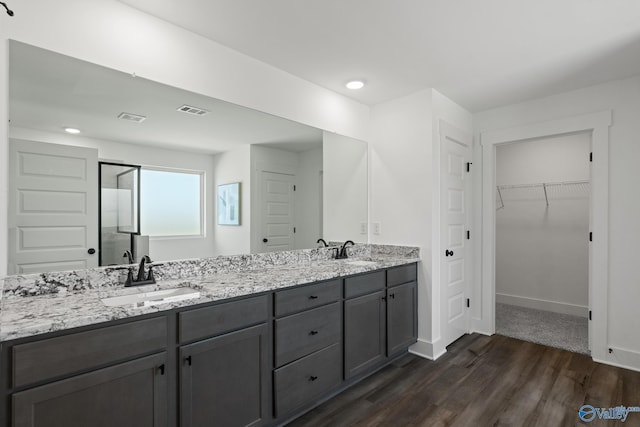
455	152
277	211
53	207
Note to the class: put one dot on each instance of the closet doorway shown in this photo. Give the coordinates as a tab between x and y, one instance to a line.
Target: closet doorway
542	246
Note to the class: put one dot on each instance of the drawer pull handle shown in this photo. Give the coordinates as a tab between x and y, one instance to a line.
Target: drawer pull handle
393	296
313	296
313	333
313	378
161	369
188	360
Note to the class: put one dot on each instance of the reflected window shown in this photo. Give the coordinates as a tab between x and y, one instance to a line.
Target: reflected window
171	203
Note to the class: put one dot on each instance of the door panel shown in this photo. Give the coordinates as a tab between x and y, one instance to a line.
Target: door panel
53	207
277	211
455	251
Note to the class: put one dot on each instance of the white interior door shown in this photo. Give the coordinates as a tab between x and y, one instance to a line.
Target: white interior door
455	257
53	207
277	211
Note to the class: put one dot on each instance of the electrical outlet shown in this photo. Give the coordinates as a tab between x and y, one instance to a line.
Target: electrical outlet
376	227
363	228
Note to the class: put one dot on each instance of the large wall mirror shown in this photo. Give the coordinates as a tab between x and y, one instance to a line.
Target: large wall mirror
141	172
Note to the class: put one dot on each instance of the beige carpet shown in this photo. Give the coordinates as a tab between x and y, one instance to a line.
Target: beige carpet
543	327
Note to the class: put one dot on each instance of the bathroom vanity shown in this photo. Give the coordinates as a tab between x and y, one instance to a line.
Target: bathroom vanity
256	346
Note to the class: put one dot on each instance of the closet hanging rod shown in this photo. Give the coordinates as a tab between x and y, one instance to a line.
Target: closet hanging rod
541	184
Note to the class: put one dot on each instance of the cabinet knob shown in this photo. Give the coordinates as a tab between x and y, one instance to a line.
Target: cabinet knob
313	378
265	240
91	251
448	253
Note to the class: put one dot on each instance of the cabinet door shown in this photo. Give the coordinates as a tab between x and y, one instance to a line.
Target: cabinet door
131	394
225	381
402	324
364	332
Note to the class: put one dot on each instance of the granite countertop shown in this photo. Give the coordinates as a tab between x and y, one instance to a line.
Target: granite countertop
24	316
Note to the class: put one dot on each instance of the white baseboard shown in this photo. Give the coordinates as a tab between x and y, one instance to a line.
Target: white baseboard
541	304
427	349
622	358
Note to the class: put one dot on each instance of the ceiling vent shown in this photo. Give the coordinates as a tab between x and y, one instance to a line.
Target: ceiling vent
131	117
193	110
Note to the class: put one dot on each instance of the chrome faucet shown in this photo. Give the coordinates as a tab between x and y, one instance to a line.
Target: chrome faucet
342	254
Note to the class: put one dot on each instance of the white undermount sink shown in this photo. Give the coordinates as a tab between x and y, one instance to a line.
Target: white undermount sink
360	263
145	299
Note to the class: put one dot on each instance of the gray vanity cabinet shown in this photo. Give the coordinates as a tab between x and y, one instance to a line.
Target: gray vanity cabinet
109	376
364	322
380	317
130	394
225	378
308	350
402	311
402	328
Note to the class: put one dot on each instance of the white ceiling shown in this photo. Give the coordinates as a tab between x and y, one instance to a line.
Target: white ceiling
480	53
49	91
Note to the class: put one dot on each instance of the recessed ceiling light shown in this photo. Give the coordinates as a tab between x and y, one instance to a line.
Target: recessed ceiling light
72	130
355	84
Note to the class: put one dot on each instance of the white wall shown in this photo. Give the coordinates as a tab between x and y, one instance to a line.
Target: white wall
542	252
401	181
344	188
228	167
114	35
308	206
159	249
623	98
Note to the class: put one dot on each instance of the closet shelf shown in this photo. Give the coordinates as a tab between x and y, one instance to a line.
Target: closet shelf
541	191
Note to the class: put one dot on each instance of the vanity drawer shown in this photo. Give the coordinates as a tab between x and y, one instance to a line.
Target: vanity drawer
401	274
364	284
306	379
303	333
220	318
306	297
80	351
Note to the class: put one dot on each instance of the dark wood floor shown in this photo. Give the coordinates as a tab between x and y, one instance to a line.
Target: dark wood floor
483	381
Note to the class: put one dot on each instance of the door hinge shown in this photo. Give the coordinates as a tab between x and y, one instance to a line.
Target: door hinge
468	234
469	166
468	303
589	314
591	156
591	236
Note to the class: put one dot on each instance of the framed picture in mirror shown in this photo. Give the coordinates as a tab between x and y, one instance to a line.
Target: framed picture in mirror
229	204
